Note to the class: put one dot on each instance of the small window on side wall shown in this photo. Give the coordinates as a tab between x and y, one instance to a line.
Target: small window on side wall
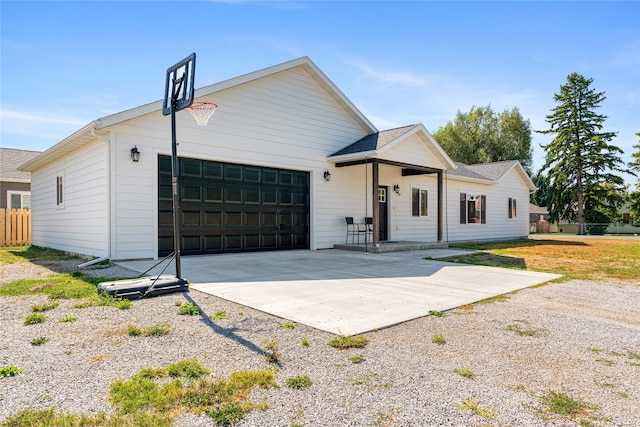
419	202
512	208
60	191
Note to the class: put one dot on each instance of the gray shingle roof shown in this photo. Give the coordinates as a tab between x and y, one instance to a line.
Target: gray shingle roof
374	141
487	171
11	159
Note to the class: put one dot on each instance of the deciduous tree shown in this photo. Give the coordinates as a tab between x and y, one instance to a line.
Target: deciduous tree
482	136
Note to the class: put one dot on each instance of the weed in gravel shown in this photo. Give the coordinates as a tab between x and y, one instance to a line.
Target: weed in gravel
220	315
227	415
370	380
561	404
305	342
271	352
142	402
606	362
357	359
187	368
289	325
521	327
10	371
156	330
465	372
34	319
43	307
385	419
436	313
343	342
299	382
438	339
68	319
39	341
497	298
189	309
473	405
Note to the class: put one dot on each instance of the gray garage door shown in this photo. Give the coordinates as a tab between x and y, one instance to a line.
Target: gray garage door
227	207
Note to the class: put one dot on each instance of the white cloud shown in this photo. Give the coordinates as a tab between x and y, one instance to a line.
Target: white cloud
28	125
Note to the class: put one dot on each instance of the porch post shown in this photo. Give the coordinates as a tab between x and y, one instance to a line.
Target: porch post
376	203
440	206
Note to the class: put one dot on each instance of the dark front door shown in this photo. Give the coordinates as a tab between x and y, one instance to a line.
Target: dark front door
384	213
226	207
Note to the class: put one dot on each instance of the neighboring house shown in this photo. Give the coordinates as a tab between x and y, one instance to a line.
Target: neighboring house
15	185
280	165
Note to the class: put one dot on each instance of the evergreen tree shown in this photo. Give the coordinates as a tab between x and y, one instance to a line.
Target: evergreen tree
482	136
634	197
580	160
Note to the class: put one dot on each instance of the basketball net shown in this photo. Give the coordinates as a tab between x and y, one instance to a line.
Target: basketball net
202	111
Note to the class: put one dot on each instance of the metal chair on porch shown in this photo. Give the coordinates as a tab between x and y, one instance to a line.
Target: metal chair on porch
368	228
354	229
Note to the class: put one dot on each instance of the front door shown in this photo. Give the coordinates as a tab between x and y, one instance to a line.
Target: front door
384	214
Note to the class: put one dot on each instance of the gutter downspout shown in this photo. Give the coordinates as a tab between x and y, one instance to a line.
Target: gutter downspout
108	142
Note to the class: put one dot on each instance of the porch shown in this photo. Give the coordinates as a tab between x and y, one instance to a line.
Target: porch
391	246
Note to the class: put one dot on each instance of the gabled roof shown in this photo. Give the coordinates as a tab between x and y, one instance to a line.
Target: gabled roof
491	172
374	141
538	210
375	144
10	159
88	132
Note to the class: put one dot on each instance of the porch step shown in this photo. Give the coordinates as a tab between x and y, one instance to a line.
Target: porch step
392	246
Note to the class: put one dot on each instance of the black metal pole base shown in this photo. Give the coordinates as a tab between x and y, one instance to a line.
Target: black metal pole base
144	287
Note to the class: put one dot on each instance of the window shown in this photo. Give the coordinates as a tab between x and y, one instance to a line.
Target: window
419	202
19	199
473	208
512	208
382	195
626	218
60	191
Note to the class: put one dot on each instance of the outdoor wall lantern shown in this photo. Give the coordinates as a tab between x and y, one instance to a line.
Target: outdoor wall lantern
135	154
396	188
327	175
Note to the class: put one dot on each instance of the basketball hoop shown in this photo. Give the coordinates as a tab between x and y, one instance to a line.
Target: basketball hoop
202	111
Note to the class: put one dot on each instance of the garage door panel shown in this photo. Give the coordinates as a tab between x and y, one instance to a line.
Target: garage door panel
228	207
213	219
191	219
213	243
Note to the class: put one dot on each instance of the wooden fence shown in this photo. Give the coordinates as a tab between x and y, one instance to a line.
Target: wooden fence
15	227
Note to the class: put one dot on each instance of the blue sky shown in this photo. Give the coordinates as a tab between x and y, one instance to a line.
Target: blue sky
64	64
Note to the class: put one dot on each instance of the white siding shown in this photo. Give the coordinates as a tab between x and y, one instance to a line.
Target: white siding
81	226
498	225
285	121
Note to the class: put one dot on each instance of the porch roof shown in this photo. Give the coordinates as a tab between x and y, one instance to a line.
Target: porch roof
375	145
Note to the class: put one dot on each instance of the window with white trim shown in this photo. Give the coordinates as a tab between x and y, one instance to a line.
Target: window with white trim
473	208
19	199
512	208
419	202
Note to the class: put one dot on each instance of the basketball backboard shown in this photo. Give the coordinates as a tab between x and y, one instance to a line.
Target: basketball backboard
179	88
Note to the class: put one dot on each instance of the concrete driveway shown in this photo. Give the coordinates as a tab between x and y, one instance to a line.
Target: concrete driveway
346	292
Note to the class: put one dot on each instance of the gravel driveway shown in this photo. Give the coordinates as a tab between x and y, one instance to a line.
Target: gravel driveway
578	337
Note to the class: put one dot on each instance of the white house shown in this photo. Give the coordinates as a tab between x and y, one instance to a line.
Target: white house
280	165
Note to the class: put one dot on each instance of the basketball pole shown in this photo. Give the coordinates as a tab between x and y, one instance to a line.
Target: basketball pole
174	177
